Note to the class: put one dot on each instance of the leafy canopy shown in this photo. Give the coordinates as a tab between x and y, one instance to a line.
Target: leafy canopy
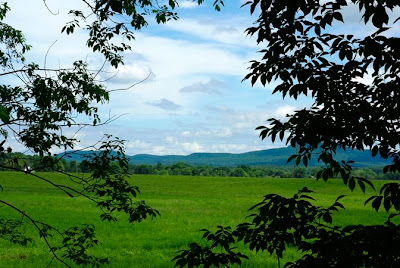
306	56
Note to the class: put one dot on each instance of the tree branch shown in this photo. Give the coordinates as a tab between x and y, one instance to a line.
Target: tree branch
35	223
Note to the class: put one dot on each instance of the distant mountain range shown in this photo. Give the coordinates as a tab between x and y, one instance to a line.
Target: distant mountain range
275	157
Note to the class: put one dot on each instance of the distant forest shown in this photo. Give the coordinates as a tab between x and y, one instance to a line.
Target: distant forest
32	163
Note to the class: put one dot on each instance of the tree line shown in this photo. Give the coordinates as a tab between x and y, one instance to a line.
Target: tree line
31	163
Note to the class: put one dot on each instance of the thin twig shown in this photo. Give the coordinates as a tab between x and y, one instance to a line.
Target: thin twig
109	78
52	13
101	68
121	89
47	53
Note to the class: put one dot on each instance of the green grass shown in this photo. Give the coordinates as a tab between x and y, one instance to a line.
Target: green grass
186	204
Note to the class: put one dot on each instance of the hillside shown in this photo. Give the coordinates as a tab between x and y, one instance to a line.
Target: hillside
276	157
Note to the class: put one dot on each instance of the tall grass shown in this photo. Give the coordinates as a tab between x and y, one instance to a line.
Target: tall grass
186	204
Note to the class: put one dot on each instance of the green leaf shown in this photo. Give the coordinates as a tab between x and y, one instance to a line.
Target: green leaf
387	203
327	218
338	16
317	30
4	114
340	197
375	150
298	159
376	204
362	185
291	158
352	184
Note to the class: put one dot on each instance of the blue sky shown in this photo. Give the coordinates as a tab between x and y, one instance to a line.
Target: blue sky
194	100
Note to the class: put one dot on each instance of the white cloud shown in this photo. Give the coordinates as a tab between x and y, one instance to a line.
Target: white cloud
192	147
185	133
169	58
228	32
282	111
225	132
128	74
235	148
165	104
176	146
239	120
188	4
213	86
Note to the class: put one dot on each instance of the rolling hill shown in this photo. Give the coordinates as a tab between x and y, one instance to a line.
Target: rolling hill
276	157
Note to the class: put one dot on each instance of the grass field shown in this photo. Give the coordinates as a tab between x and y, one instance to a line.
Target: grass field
186	204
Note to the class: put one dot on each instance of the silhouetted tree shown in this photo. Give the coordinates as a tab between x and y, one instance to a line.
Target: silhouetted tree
306	56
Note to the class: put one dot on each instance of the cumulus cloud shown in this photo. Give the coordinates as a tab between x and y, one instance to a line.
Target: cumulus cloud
235	148
192	147
237	119
282	111
211	87
183	147
225	132
165	105
128	74
231	33
218	109
188	4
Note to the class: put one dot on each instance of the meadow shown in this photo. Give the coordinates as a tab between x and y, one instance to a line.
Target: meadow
187	204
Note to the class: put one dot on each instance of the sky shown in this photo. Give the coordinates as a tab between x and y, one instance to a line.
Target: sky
194	99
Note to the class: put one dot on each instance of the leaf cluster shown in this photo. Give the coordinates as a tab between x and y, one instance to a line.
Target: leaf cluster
307	59
76	243
204	256
278	222
14	43
112	192
52	104
10	231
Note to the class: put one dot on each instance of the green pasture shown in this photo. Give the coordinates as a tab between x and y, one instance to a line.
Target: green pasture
187	204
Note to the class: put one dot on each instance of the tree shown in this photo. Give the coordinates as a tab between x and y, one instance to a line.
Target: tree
305	56
44	102
239	172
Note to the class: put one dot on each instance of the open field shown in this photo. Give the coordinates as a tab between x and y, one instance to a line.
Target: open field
186	204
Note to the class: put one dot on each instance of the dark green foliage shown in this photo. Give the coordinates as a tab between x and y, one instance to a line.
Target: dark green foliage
279	222
305	57
10	231
198	255
14	45
284	221
353	246
111	191
346	114
75	244
56	100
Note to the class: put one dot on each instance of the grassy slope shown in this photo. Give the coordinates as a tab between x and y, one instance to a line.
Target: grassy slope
187	204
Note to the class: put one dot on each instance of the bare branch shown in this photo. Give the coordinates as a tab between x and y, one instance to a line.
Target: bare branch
122	89
109	78
53	13
47	53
